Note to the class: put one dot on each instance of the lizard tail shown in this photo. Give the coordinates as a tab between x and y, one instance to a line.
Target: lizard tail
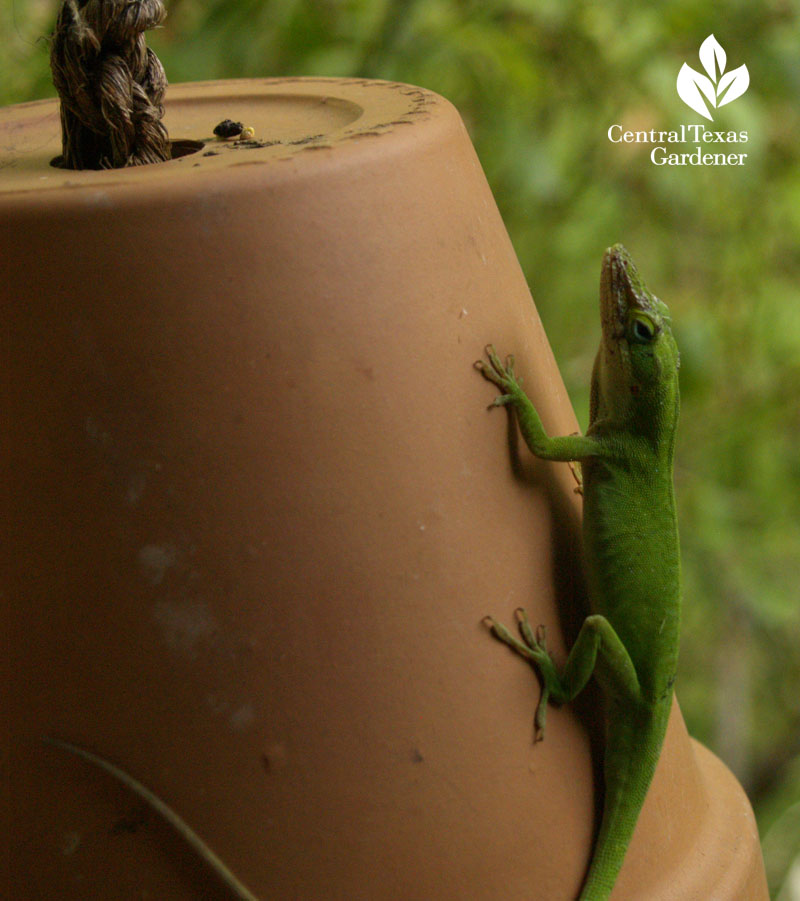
630	762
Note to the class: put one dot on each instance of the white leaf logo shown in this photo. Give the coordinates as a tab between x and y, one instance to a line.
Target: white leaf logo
718	87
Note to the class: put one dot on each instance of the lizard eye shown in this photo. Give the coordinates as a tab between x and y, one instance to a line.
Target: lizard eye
642	329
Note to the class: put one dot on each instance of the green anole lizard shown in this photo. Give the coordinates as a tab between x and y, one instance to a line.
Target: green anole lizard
630	643
630	535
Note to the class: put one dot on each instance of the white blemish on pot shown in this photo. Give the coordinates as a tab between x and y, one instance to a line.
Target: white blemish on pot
184	624
70	843
136	486
275	757
98	199
216	703
155	560
97	435
243	717
139	480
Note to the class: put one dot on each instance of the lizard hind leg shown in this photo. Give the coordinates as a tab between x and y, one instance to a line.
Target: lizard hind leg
533	647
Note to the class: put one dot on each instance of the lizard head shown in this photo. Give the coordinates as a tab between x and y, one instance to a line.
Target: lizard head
636	372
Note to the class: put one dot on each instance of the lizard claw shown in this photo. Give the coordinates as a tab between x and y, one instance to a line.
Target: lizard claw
501	375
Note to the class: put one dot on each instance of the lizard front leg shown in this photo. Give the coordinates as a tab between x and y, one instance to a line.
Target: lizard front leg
567	448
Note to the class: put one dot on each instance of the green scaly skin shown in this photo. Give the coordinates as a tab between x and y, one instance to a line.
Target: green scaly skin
630	641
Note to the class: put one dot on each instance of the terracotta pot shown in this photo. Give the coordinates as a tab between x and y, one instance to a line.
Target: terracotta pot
259	510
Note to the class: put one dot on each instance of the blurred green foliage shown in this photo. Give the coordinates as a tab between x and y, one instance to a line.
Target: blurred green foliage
538	83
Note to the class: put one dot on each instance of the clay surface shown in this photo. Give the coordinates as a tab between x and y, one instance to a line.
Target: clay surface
259	510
